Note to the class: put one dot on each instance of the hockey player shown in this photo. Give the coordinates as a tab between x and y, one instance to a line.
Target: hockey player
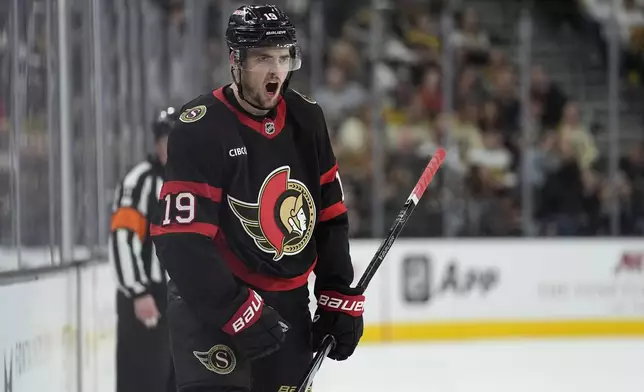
252	205
143	351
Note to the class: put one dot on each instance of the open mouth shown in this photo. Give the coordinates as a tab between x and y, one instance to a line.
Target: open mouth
271	88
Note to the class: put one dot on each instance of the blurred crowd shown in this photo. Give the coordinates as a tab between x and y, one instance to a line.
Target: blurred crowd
479	190
482	176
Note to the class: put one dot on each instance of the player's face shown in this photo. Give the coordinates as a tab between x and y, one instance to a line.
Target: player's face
265	70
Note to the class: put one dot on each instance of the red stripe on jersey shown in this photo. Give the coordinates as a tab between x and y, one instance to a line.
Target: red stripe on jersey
259	126
207	229
329	176
262	282
196	188
331	212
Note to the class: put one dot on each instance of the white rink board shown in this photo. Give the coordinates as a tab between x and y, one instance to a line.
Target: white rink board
516	280
99	327
504	280
38	338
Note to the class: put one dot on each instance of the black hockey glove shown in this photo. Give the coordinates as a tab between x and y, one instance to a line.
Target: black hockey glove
339	314
257	330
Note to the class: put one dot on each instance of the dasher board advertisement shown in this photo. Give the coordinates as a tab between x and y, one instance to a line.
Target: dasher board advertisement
436	289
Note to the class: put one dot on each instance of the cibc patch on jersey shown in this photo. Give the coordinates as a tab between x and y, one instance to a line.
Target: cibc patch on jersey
282	220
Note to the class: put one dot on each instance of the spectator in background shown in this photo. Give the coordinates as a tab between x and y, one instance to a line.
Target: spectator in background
569	198
491	210
577	136
469	87
353	149
413	131
498	62
337	13
454	162
630	18
493	158
343	54
502	218
619	189
423	36
352	142
548	96
339	97
595	21
504	93
632	166
357	29
430	91
489	119
545	159
472	43
572	193
404	91
484	128
465	131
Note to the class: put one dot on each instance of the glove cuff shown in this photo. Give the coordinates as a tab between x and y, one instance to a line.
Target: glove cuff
333	301
246	315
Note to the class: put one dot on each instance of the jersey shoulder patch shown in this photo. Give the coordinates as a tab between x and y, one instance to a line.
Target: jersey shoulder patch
193	114
196	109
304	97
203	122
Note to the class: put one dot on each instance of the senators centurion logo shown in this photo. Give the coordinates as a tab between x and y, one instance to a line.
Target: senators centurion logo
281	222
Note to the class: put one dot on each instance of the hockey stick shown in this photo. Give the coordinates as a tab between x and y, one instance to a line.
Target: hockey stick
329	342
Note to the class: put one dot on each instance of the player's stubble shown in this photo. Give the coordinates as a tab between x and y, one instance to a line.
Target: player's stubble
254	87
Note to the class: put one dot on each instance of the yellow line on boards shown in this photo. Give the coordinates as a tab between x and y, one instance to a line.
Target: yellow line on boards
501	329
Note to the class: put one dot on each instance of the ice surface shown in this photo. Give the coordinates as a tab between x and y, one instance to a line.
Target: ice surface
502	366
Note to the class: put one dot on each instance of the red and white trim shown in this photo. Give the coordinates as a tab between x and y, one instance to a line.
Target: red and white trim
333	301
246	315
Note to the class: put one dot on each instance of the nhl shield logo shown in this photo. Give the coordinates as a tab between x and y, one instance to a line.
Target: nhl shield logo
269	127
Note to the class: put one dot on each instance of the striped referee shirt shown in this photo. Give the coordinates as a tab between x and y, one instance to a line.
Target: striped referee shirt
131	250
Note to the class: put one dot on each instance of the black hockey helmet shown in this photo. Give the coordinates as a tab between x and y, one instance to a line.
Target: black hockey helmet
257	26
165	122
252	26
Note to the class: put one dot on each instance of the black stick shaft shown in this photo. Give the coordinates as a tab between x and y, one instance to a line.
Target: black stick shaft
410	204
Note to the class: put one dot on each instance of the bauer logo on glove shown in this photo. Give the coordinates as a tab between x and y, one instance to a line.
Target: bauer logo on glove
339	314
246	315
337	302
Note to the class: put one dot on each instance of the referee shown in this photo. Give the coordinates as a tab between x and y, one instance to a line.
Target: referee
143	360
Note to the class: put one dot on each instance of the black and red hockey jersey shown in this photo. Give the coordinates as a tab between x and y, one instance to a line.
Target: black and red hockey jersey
251	199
